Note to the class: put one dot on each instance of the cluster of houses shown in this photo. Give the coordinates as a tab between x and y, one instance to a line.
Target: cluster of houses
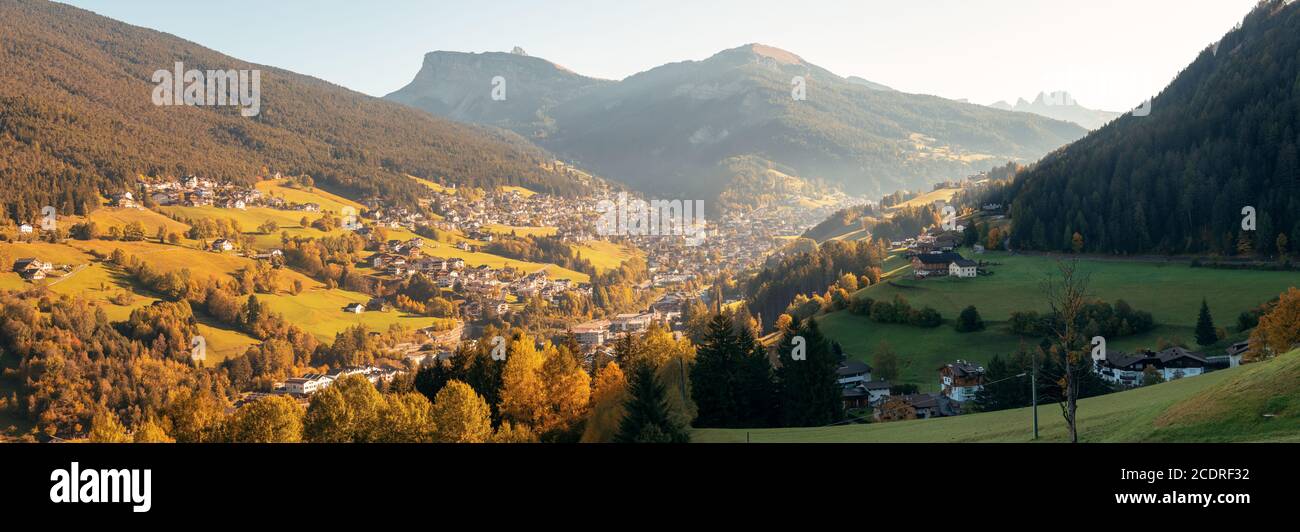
960	381
485	288
200	192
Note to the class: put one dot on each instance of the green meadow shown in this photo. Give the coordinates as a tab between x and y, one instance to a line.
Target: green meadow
1170	291
1253	403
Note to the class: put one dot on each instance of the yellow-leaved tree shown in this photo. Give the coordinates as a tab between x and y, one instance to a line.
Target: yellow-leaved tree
608	394
523	395
460	415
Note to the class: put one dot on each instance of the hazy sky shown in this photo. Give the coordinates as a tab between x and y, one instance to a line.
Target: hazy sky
1110	54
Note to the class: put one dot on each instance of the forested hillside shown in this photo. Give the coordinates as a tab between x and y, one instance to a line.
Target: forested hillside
77	118
1221	137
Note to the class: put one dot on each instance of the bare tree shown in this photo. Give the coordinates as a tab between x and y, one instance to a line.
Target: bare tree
1067	295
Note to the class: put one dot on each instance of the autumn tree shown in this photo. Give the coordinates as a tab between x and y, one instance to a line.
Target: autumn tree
460	415
608	393
1067	296
1278	330
272	419
523	394
194	416
346	411
406	418
105	428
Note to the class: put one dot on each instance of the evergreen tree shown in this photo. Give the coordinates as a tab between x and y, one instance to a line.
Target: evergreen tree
1205	332
714	376
647	419
808	390
757	390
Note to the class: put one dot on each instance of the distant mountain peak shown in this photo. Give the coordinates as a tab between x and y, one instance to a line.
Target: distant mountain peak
1059	105
763	51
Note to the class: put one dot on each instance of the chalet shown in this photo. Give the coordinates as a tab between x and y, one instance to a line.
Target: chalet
963	268
32	264
124	200
379	260
354	308
26	229
270	255
852	373
1236	352
918	406
1128	369
220	245
961	380
378	304
865	394
933	264
947	242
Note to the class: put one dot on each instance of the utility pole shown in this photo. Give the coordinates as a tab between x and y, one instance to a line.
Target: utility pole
1033	385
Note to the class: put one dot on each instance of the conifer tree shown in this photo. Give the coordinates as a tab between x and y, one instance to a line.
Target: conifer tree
647	419
1205	333
808	389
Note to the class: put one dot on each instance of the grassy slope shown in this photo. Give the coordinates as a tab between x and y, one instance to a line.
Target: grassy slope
317	310
1171	292
1225	405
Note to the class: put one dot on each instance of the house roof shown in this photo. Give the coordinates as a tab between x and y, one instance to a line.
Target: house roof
852	367
943	259
875	385
965	263
965	369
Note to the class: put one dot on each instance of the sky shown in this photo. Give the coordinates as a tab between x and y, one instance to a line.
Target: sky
1109	54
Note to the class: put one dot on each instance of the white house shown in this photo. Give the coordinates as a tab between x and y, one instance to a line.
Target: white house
961	380
219	245
852	373
964	268
1171	364
308	384
26	229
354	308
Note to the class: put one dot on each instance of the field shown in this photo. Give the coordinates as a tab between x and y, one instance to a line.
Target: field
519	230
1171	292
606	255
328	202
928	198
316	310
1255	402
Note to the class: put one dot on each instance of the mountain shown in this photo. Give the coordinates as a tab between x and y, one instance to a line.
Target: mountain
460	86
678	128
1218	143
77	116
1060	106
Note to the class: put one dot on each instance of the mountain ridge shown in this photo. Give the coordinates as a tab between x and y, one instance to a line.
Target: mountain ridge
671	129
